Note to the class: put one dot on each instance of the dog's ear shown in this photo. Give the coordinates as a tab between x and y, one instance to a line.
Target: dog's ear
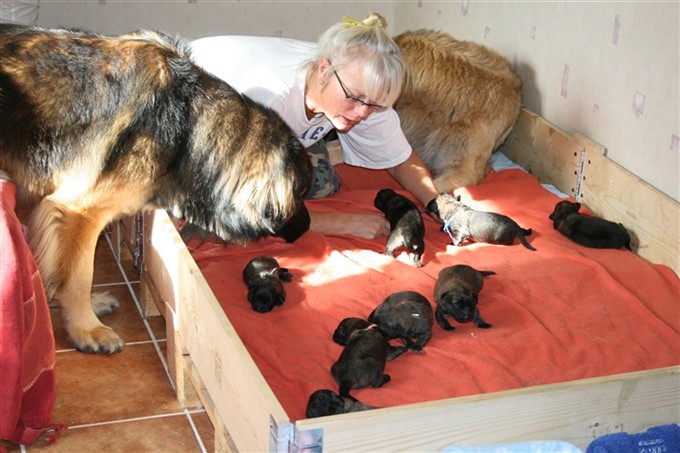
432	207
457	198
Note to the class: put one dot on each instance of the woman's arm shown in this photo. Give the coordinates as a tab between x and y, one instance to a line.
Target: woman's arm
414	176
363	225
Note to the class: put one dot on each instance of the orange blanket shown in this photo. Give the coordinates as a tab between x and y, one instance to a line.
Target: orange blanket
561	313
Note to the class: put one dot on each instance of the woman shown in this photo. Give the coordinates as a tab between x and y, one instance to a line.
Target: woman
348	81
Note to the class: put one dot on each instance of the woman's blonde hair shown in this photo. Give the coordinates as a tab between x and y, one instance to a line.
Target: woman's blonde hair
350	40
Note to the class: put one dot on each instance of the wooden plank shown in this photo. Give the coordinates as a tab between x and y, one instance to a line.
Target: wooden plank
239	393
546	151
575	412
653	218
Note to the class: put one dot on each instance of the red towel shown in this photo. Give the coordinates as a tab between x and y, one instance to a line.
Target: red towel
27	356
561	313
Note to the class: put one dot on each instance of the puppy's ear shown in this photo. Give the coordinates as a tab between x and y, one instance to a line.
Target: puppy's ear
432	207
457	198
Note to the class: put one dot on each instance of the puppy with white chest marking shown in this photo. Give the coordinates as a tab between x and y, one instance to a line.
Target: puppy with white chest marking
263	276
362	361
406	224
325	402
588	231
456	293
463	222
405	315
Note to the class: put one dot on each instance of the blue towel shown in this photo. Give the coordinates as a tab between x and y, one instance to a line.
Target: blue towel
658	439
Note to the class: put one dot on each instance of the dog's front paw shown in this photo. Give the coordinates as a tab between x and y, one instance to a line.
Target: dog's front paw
99	340
104	304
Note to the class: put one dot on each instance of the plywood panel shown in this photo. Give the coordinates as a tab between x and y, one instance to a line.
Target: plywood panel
614	193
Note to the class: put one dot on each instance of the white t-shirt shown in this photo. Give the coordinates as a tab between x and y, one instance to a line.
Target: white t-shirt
269	70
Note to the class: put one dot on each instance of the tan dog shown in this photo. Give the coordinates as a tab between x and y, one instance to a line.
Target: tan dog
458	103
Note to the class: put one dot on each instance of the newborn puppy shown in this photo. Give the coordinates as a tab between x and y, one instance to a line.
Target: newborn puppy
362	361
326	402
463	222
405	315
456	292
263	276
406	224
586	230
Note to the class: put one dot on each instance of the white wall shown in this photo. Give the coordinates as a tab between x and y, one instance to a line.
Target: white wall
198	18
614	51
611	53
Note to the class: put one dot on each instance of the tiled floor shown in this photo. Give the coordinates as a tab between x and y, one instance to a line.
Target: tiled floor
123	402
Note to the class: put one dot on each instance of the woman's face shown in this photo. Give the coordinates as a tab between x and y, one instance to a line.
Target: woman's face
342	98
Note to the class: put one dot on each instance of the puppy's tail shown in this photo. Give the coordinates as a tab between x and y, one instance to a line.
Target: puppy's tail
521	233
345	387
485	273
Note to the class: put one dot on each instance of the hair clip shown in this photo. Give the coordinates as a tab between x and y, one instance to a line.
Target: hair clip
349	22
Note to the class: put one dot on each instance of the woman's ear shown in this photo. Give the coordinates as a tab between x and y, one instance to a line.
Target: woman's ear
324	67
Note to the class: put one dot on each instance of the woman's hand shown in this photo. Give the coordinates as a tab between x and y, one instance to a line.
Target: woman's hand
366	226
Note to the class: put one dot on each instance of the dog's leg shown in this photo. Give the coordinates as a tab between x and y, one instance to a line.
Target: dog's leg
421	341
442	321
479	321
63	243
470	168
395	351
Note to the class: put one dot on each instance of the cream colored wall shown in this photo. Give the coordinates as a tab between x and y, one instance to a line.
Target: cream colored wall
197	18
609	70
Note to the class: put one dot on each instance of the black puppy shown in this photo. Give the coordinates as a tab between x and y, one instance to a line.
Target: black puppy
463	222
325	402
362	361
456	293
586	230
405	315
263	276
406	224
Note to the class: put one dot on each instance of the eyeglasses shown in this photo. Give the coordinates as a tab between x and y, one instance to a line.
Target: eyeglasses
356	100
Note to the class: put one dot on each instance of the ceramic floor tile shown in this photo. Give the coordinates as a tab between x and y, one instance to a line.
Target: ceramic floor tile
126	321
99	388
205	429
157	435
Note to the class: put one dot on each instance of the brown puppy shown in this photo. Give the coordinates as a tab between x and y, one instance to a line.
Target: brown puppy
456	293
462	222
263	276
405	315
362	361
458	103
406	224
588	231
96	127
325	402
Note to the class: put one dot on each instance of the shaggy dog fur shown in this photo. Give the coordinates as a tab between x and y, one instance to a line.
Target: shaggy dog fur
458	103
97	127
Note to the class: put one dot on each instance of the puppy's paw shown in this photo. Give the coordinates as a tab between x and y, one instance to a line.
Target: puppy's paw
104	304
99	340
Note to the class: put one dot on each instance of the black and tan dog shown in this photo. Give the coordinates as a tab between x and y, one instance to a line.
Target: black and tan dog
263	276
406	315
325	402
362	361
589	231
456	293
406	224
462	223
96	127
